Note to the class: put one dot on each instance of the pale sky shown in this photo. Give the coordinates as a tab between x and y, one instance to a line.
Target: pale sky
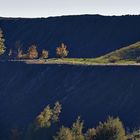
46	8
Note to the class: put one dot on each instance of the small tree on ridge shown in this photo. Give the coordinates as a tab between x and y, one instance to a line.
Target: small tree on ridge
62	51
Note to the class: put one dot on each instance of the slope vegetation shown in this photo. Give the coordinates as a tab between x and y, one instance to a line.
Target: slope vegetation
130	53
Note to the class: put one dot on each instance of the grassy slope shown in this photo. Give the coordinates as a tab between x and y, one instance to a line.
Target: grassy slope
129	54
126	55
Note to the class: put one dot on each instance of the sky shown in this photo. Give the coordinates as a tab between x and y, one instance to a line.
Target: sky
46	8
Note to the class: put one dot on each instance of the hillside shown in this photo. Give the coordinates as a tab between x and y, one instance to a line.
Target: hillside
126	54
91	92
86	36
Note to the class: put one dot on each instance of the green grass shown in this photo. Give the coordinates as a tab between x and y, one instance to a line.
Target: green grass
124	55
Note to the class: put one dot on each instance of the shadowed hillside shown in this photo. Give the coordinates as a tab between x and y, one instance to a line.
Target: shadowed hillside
92	92
85	36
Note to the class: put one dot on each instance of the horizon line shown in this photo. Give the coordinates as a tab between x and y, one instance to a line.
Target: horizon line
67	15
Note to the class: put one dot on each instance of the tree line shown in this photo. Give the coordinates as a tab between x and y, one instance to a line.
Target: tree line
46	126
32	52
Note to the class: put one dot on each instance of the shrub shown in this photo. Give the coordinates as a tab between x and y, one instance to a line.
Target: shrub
112	129
62	51
2	45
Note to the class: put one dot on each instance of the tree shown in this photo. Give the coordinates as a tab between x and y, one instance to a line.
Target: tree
45	54
62	51
64	134
32	52
112	129
44	118
2	45
45	125
48	116
74	133
77	129
90	134
56	112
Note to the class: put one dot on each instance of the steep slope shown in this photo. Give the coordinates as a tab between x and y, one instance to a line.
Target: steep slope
91	92
85	36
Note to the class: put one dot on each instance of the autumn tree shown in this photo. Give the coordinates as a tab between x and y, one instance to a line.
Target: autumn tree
44	118
112	129
77	129
2	45
90	134
64	134
32	52
48	116
45	124
45	54
56	112
62	51
73	133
